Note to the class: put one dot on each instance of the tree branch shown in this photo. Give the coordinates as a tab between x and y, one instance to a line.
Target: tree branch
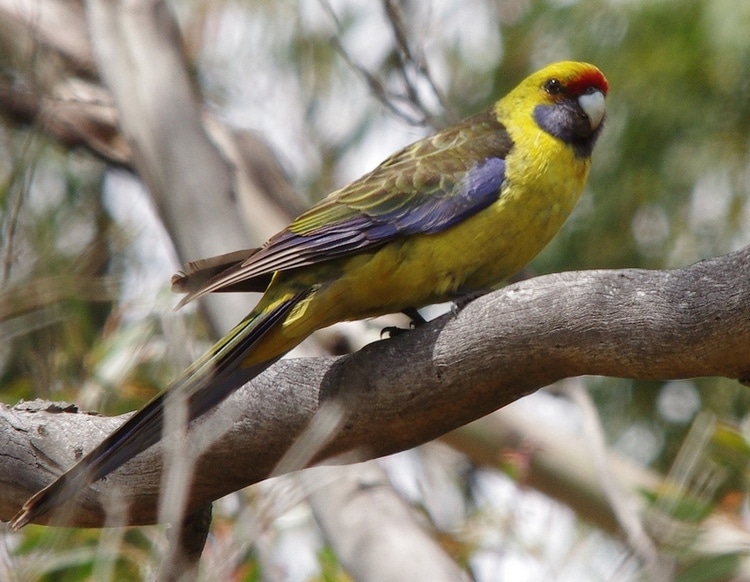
398	393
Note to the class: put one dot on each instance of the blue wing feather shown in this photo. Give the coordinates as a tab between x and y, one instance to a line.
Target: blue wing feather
364	230
413	192
479	188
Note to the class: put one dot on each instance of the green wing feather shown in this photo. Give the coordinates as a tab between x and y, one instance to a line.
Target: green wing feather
430	167
424	188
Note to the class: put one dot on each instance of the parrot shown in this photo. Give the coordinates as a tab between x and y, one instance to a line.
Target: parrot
453	214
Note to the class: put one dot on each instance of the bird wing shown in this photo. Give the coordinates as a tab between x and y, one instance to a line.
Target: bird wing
197	274
425	188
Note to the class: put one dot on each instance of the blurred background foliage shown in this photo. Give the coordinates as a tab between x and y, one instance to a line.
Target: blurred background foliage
83	290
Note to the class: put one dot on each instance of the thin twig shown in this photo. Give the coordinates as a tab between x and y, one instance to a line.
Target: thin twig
409	105
11	224
411	59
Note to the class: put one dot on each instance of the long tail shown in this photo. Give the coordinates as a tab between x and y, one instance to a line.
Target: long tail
204	385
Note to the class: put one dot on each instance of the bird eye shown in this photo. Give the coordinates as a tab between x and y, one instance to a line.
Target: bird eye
553	87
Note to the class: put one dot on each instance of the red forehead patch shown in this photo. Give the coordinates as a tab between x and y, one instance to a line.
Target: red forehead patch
588	78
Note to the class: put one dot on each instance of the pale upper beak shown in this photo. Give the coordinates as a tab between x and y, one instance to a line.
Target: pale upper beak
593	106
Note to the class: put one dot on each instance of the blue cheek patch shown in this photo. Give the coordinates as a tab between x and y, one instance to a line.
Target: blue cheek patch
566	121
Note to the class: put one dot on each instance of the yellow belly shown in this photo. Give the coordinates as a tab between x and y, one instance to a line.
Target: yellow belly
476	254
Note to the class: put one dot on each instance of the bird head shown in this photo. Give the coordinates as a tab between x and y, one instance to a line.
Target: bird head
567	102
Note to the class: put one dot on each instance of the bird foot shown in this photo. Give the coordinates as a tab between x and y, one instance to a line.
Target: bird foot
416	321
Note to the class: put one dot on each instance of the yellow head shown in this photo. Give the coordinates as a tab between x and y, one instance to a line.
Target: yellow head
564	99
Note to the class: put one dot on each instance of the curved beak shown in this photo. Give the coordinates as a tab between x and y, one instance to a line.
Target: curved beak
593	106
